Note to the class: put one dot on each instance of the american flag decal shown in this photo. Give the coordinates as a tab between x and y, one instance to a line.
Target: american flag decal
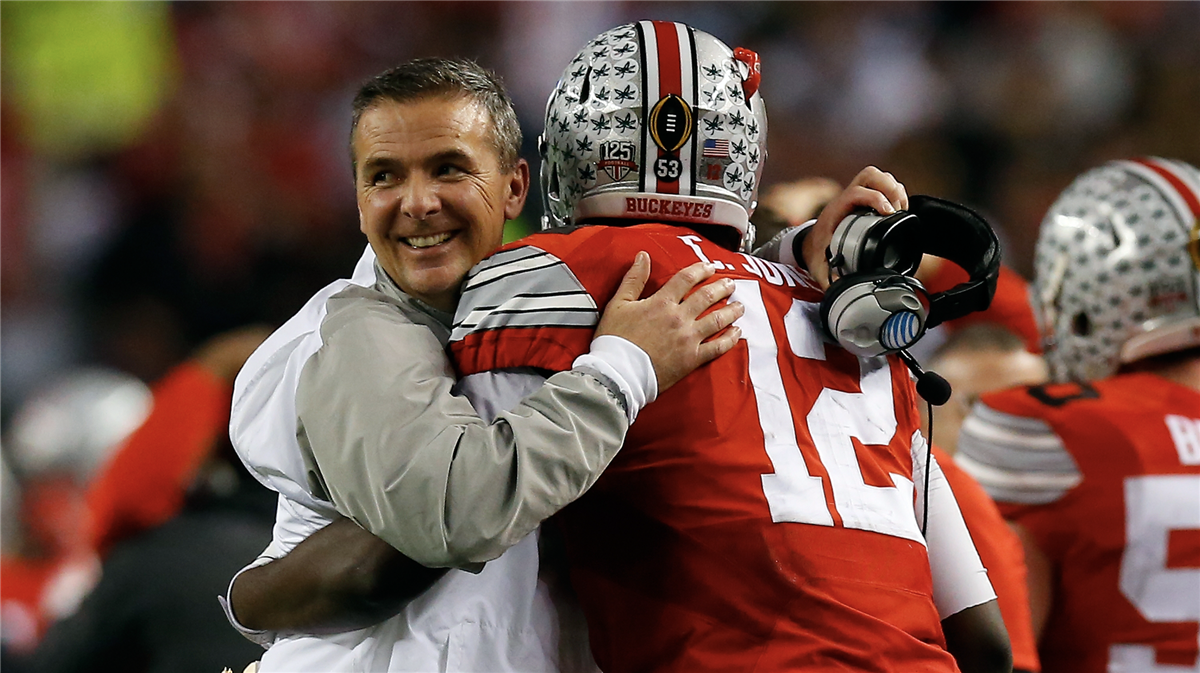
716	148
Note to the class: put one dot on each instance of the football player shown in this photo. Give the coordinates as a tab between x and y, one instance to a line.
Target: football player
985	355
761	516
1100	471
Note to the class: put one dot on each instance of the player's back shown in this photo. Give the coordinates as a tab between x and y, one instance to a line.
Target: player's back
1106	476
741	527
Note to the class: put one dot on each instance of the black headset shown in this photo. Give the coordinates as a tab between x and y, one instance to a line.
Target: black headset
876	306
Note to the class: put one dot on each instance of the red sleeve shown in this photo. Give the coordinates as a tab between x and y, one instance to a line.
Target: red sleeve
144	482
1002	555
537	302
1010	306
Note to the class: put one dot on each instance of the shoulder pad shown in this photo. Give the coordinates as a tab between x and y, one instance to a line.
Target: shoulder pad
1017	459
522	287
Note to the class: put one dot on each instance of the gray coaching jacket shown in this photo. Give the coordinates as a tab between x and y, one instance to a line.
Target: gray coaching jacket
384	437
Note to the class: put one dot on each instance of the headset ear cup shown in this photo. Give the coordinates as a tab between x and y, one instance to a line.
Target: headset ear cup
867	242
874	313
831	297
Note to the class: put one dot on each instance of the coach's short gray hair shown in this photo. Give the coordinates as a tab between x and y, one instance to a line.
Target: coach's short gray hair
427	77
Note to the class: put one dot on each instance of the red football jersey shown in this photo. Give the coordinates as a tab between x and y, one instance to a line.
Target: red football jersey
1001	552
761	514
1106	476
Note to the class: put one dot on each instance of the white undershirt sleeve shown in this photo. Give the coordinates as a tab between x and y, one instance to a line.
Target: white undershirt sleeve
627	366
959	579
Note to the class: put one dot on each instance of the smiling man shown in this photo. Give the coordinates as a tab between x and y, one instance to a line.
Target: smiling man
349	409
427	171
680	593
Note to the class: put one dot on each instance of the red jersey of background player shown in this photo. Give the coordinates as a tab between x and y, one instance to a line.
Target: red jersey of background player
761	515
1106	477
1001	552
143	484
1010	305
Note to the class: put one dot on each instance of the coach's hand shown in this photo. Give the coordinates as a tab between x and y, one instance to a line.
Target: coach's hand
674	325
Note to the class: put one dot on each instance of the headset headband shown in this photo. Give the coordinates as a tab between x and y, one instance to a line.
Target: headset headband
959	234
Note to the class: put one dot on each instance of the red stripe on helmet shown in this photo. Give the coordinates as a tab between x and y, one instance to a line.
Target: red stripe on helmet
670	78
1185	192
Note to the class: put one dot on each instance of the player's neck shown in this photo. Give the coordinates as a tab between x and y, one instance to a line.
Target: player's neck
1185	372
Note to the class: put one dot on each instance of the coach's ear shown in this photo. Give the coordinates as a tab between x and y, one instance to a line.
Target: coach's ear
518	190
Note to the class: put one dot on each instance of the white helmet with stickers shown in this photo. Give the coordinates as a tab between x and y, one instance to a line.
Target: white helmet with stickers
75	423
1117	267
655	121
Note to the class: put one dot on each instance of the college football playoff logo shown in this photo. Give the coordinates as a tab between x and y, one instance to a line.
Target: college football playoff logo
670	123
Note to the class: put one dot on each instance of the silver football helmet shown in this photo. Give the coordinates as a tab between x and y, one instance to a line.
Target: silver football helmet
1117	267
75	423
655	121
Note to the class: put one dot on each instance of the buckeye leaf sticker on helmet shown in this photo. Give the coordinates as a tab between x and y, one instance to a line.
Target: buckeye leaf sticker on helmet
655	119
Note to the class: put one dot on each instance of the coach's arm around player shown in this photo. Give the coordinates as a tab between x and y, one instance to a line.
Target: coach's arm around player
343	578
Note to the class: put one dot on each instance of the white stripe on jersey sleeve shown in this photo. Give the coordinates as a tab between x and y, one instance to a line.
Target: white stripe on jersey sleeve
515	261
1016	459
522	287
529	311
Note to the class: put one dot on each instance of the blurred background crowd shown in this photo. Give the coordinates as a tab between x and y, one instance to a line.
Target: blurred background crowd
172	171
